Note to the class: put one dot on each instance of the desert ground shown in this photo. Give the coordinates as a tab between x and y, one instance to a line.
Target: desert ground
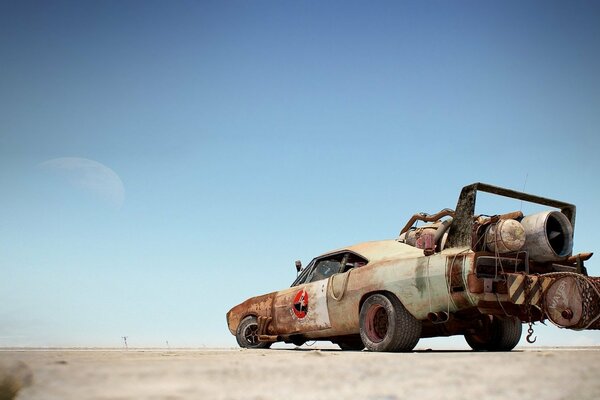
543	373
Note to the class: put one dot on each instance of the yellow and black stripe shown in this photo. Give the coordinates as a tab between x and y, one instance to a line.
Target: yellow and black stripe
517	284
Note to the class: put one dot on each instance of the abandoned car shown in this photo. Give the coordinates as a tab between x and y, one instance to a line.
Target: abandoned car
457	274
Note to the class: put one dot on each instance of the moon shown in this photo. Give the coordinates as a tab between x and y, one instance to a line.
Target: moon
90	176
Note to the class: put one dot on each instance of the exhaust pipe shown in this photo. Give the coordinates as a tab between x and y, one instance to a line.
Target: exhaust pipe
439	317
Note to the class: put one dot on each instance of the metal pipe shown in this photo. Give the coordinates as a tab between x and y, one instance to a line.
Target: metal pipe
427	218
438	317
443	228
432	317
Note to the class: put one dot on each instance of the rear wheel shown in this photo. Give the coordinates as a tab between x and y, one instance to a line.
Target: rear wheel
385	325
496	334
247	334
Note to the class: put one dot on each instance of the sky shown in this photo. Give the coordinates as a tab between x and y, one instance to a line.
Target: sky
160	162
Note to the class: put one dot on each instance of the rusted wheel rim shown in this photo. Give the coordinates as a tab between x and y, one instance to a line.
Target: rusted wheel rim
377	323
251	334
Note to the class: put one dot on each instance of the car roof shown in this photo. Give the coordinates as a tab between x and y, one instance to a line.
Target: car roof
381	250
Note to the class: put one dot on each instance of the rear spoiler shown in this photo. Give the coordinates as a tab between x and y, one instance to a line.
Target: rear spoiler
461	228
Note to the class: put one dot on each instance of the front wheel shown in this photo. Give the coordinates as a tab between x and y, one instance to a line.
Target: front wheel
385	325
496	334
247	334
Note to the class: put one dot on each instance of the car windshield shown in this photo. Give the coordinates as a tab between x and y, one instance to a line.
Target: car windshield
303	274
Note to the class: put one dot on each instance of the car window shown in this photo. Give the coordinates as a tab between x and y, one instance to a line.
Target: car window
322	268
352	260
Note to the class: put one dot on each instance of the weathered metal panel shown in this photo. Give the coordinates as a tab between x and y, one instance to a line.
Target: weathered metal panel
302	308
419	283
257	306
343	299
457	270
381	250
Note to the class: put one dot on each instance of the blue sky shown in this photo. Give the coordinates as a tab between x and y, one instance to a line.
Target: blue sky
247	135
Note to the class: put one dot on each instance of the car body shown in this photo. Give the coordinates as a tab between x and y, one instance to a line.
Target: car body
459	274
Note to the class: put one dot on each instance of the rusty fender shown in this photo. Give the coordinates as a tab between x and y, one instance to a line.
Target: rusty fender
259	306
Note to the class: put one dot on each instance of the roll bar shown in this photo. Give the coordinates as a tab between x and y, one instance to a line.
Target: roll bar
461	229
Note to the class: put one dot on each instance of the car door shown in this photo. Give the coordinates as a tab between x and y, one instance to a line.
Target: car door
303	308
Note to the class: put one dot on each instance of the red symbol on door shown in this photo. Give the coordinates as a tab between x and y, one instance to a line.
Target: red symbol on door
301	304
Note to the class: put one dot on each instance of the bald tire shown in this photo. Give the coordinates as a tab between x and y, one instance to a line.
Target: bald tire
247	334
497	334
385	325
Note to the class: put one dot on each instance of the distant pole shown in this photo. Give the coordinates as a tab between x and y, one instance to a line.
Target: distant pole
524	183
169	348
125	341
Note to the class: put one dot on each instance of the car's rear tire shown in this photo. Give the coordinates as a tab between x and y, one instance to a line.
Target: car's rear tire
247	334
351	343
385	325
496	334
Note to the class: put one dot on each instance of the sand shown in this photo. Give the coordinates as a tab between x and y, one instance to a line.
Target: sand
309	374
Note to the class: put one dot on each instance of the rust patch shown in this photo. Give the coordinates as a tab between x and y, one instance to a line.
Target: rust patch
573	301
474	284
497	308
455	273
259	306
456	283
421	275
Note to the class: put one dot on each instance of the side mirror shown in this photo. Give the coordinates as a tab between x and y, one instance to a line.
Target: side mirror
298	266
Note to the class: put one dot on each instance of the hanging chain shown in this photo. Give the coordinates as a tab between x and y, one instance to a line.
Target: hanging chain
528	282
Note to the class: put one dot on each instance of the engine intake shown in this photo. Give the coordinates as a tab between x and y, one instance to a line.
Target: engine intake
548	236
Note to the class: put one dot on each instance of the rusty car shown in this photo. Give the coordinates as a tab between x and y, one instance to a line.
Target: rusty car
480	276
